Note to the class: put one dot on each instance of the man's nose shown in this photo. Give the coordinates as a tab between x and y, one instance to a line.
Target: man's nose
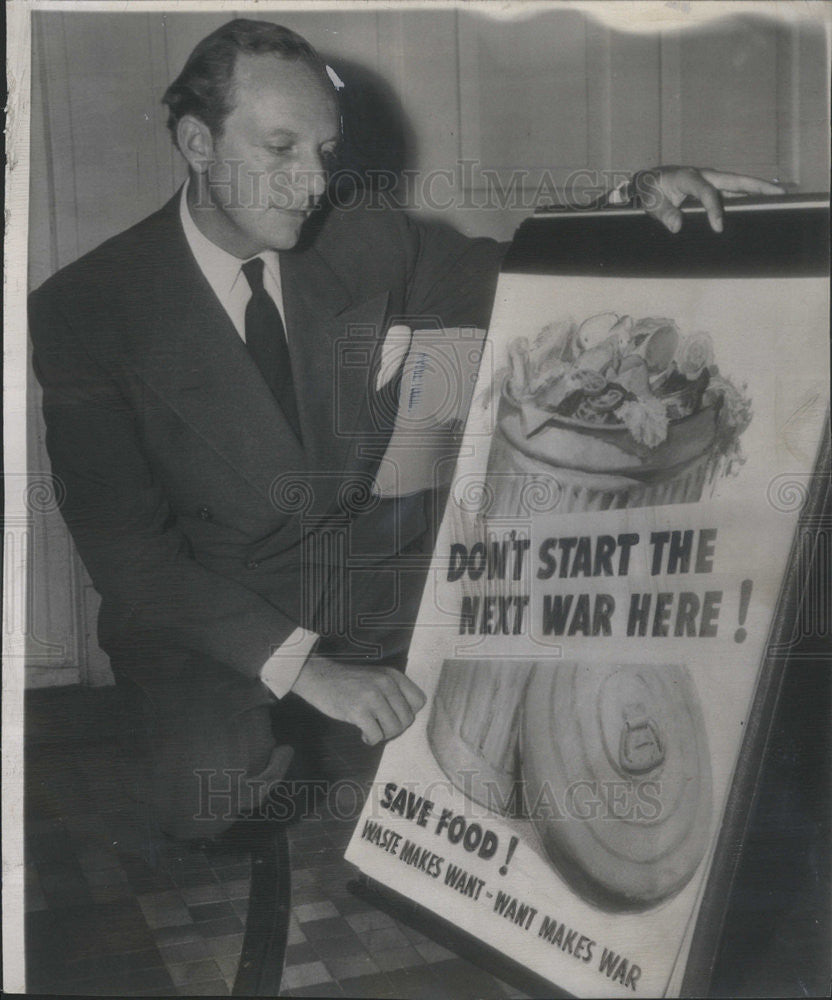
321	179
317	180
312	175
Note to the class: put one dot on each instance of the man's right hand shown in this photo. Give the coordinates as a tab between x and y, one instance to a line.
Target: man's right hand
381	701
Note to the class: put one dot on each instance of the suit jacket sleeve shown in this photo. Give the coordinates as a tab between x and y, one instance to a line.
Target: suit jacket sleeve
127	536
453	277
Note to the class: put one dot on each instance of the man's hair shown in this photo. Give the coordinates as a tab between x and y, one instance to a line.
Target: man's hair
205	86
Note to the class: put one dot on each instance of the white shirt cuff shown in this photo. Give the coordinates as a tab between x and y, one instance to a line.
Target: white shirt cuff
281	669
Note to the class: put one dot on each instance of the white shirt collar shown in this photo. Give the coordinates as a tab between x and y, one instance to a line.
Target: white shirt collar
221	268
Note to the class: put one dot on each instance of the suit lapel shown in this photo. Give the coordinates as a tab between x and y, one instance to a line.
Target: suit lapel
333	343
187	350
192	356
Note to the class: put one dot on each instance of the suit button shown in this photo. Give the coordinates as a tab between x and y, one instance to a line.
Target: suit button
252	564
205	514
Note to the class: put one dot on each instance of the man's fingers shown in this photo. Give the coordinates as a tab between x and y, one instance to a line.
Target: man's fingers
389	706
393	705
403	697
695	184
371	731
663	190
706	185
669	216
709	196
381	702
381	720
414	695
740	183
401	707
384	714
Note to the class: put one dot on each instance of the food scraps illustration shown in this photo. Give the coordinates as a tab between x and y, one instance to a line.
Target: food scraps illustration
631	411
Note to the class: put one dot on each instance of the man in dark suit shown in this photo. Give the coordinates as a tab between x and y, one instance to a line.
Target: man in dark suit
215	434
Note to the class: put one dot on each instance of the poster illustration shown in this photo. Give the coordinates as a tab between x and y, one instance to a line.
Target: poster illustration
595	622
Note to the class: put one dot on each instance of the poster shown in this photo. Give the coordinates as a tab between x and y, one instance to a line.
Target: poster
595	621
494	109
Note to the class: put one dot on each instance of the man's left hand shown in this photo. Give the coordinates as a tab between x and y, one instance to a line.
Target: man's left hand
662	190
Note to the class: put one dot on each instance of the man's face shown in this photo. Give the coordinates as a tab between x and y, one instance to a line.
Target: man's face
268	168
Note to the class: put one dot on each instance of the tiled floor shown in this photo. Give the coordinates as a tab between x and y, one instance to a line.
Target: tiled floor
104	917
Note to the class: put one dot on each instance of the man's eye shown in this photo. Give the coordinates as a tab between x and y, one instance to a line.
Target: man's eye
280	150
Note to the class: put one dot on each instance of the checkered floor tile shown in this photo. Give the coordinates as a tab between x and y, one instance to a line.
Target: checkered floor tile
109	913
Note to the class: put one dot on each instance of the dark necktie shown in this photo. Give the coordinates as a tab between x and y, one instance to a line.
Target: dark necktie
266	341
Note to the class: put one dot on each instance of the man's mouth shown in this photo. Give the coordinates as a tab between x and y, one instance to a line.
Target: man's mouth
298	213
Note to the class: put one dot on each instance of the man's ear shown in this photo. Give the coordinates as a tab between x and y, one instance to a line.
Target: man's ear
195	142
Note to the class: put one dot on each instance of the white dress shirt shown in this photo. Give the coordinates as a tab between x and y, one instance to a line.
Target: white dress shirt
223	273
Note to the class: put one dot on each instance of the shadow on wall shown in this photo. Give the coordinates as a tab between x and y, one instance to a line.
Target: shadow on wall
379	142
